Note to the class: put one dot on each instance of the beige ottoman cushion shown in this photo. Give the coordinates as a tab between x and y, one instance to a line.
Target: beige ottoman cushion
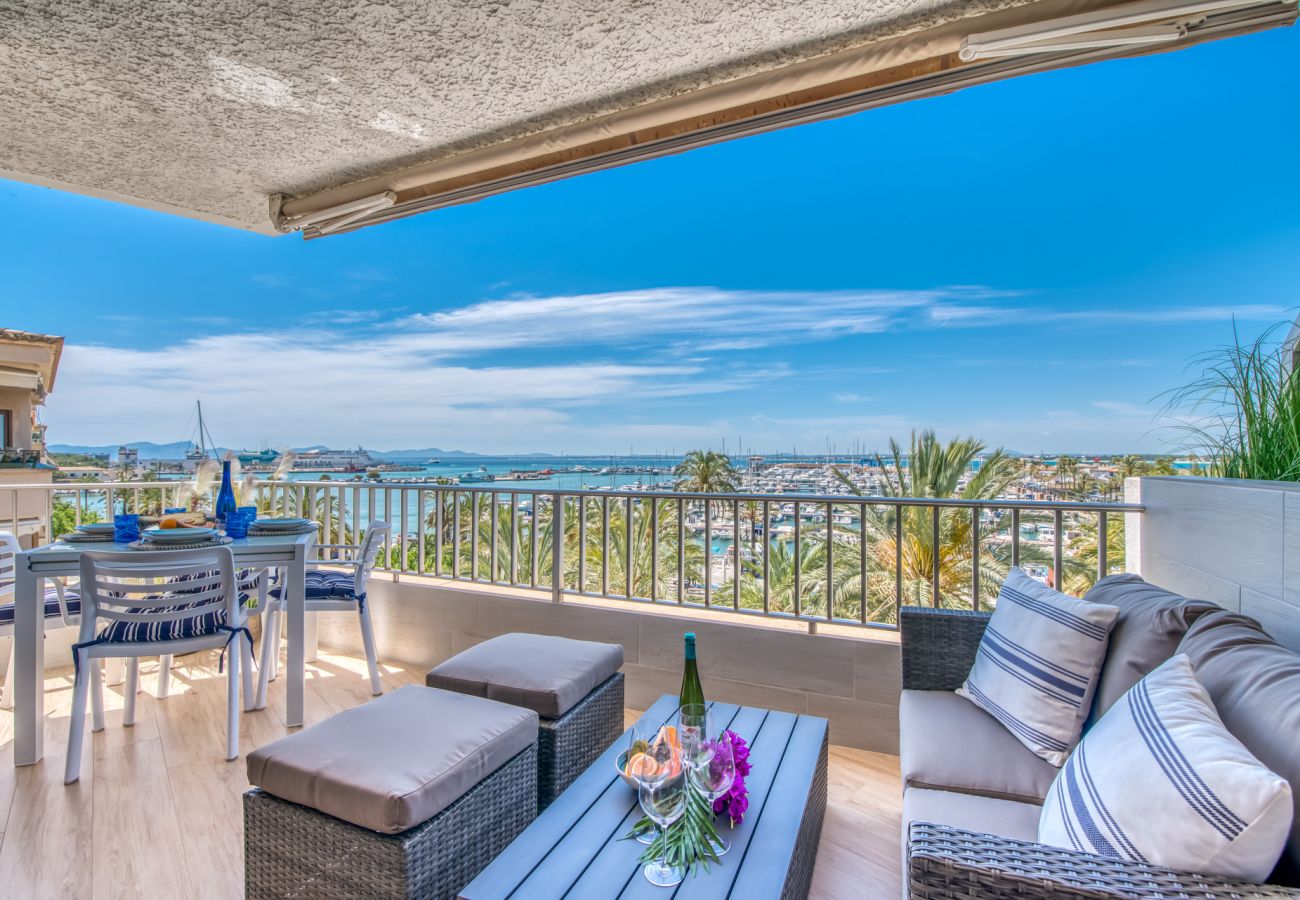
548	675
396	761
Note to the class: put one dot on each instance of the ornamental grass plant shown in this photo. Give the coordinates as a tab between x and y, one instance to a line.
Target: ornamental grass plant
1242	412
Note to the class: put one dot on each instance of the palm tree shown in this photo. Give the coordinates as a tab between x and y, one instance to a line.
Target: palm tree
1131	465
1163	465
648	575
935	470
707	472
1081	562
1067	468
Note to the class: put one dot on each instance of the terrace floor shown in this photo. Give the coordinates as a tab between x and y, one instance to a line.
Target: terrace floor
157	811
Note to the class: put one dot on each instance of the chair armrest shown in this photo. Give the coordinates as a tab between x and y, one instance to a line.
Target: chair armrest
946	862
938	646
60	592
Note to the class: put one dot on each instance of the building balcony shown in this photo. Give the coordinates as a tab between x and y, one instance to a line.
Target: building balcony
468	564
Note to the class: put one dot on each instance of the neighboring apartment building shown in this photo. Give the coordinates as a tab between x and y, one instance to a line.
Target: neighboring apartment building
28	365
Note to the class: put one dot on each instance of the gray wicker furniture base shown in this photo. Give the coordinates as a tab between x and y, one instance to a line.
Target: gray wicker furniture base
293	851
575	847
567	745
575	687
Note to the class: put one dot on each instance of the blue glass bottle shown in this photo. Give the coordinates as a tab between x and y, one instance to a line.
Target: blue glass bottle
226	503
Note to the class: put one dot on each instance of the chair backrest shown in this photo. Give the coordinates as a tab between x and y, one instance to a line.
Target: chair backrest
142	587
9	549
376	536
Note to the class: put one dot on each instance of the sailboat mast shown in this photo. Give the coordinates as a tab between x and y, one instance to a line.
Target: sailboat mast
202	447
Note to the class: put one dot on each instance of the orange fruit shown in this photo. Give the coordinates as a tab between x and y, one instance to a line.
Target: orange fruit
641	765
669	734
169	523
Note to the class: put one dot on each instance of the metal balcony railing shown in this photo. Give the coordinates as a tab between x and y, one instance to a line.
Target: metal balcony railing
839	559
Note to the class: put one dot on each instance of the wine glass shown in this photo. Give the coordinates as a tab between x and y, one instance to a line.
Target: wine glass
646	746
695	726
663	799
712	773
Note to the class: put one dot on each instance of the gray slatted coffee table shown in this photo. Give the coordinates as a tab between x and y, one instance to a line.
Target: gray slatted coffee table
574	849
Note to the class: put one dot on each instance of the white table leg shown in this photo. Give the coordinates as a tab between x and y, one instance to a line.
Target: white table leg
295	584
29	666
311	641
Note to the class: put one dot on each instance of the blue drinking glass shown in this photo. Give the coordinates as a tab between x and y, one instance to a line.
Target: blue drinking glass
174	509
237	524
250	512
126	528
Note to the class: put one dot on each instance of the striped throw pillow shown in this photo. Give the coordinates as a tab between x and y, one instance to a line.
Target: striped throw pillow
1160	780
1038	664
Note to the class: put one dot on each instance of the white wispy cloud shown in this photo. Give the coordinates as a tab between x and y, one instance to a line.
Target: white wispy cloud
690	319
512	373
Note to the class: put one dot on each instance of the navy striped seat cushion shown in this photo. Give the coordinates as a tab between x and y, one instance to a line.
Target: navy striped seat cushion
209	623
1038	664
51	605
133	632
326	585
1160	780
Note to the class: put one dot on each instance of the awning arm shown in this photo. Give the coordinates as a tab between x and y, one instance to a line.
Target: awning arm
1126	25
329	220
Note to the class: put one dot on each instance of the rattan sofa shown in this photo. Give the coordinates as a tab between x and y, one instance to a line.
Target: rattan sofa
970	814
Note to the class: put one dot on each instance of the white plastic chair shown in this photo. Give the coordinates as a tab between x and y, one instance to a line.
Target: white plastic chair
251	580
328	591
149	611
62	608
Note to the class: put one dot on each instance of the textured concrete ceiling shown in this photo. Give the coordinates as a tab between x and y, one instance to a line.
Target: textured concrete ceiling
205	107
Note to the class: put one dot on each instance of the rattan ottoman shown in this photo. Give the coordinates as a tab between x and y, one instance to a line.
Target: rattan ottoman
390	799
575	687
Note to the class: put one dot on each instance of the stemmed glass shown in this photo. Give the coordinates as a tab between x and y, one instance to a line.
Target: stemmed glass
641	737
661	789
695	725
712	773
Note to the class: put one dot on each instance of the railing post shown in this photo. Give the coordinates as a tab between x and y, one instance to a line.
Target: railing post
557	548
1102	542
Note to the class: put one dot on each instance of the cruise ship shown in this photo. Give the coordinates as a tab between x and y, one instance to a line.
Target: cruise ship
357	460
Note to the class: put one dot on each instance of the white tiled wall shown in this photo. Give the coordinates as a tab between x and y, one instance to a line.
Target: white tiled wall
1235	543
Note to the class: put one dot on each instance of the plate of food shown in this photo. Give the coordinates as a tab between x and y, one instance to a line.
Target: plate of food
178	535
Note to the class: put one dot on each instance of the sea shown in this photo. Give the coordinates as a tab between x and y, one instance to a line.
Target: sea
649	471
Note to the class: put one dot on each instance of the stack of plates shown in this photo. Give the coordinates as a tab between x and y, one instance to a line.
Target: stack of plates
98	532
281	526
178	539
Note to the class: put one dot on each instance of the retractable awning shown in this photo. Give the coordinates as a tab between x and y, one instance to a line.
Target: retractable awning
333	116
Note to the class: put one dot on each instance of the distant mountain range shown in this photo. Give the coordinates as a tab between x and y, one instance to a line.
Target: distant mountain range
176	450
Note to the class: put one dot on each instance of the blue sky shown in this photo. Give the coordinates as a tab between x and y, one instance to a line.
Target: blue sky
1031	262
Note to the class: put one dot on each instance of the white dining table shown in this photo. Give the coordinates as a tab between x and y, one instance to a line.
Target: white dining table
32	567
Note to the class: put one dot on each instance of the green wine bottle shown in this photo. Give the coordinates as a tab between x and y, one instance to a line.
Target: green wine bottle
691	690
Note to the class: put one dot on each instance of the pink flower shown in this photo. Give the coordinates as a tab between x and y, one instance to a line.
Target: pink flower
736	800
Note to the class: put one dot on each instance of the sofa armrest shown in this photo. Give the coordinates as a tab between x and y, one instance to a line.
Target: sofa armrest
946	862
938	646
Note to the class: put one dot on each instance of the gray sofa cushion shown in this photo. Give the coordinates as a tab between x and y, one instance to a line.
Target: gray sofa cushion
1255	685
396	761
945	741
1151	623
548	675
985	815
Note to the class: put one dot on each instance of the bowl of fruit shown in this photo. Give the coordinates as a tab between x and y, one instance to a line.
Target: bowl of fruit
637	760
